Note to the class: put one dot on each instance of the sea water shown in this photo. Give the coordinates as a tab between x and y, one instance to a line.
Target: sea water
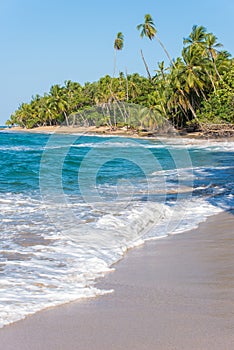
72	205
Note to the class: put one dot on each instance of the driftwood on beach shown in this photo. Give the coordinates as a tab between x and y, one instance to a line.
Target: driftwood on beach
218	130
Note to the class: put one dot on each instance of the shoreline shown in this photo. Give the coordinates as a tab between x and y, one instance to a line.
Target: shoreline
173	293
122	132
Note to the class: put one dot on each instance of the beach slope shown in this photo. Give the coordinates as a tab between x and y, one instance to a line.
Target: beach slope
174	293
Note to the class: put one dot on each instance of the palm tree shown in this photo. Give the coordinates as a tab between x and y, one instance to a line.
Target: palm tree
184	81
118	45
223	62
160	72
196	38
211	47
58	101
206	45
24	114
149	30
194	72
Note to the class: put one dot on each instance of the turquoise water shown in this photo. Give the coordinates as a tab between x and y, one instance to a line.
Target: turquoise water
71	205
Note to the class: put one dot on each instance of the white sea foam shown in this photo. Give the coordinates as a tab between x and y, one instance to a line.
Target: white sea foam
209	145
174	143
16	148
43	267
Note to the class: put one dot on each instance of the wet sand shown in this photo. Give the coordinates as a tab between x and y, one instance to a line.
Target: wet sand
171	294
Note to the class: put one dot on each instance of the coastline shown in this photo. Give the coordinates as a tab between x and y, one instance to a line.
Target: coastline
104	130
119	132
173	293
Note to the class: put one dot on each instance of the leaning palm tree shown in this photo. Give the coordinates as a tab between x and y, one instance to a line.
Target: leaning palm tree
118	45
148	29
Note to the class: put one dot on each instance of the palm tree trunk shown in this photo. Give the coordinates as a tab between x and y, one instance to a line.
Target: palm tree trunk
126	115
66	118
211	79
146	66
117	102
215	67
114	115
165	50
114	63
191	108
127	94
213	61
203	95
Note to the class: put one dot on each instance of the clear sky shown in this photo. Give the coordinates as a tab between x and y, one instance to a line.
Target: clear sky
45	42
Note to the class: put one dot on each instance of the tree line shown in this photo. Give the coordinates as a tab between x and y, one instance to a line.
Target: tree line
195	89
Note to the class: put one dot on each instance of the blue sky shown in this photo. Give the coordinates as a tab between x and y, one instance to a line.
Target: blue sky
45	42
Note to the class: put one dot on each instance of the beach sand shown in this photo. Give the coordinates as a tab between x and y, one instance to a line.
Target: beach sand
102	130
121	132
175	293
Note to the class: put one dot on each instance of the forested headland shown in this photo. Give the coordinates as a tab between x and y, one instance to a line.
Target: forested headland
195	91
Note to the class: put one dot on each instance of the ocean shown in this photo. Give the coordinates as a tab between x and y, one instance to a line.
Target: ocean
72	205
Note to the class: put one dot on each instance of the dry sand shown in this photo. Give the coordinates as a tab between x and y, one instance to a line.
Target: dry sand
175	293
102	130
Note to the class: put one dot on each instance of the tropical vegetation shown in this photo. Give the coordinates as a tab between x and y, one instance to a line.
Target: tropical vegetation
195	89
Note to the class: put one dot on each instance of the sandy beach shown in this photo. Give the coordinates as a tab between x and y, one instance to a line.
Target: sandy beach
173	293
102	130
121	132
